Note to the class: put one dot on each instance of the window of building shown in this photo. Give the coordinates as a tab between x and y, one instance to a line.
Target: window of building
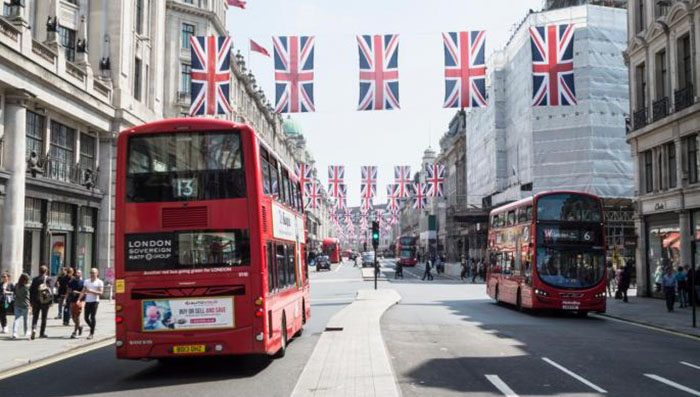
692	147
648	171
187	32
61	216
35	133
660	167
67	37
5	9
139	16
685	68
137	79
640	16
671	154
189	1
661	75
32	211
641	86
87	151
62	151
185	77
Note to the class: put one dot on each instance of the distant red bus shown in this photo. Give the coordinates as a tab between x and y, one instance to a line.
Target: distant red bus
331	247
210	240
407	250
548	252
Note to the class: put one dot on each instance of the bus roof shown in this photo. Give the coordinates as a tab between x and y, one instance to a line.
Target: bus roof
186	124
528	200
330	240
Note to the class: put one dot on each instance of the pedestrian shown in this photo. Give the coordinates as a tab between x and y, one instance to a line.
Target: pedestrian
7	289
61	287
668	283
609	279
75	305
21	305
463	272
399	271
475	271
682	283
92	289
624	283
40	297
427	273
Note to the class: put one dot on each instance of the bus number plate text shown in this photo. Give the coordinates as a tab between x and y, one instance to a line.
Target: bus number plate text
189	349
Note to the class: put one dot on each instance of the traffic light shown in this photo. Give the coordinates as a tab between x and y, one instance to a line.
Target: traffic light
375	234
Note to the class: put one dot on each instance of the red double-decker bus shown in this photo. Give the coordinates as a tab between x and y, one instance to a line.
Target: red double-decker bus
210	240
407	250
331	247
548	252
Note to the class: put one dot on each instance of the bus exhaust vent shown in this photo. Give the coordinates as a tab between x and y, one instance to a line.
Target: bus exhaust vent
264	219
185	217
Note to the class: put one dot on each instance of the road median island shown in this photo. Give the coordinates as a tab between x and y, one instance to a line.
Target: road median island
350	357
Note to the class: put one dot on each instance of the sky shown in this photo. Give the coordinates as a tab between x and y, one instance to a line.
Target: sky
338	134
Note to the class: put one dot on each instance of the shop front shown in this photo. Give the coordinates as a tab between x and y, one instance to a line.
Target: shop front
664	245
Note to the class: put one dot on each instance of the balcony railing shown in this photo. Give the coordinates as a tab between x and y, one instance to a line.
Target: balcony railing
684	97
76	174
640	118
660	108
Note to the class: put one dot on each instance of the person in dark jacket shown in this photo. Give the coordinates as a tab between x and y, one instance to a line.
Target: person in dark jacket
62	286
40	307
427	273
624	283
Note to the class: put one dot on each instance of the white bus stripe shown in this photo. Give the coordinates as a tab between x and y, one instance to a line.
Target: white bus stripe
574	375
690	365
501	385
673	384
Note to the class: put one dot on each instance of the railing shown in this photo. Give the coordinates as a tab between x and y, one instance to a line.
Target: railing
75	71
70	173
183	96
660	108
684	97
8	29
640	118
43	51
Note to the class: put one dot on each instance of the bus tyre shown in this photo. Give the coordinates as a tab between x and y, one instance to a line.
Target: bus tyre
519	302
283	348
582	313
303	320
496	294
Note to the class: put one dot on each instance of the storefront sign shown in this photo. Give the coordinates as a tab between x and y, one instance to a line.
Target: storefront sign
144	249
187	314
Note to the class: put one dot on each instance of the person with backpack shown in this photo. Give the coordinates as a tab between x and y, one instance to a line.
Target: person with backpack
21	305
40	297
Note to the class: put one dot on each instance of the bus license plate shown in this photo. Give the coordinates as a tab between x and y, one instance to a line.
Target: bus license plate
189	349
571	305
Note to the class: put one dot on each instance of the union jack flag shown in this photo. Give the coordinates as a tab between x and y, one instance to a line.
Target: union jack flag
366	205
336	175
420	196
379	72
402	177
210	75
392	197
368	185
465	69
553	65
314	193
304	173
435	177
294	74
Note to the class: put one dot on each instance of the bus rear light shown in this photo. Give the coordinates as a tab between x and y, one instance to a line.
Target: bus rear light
259	312
119	319
219	348
118	308
541	293
118	343
260	337
259	301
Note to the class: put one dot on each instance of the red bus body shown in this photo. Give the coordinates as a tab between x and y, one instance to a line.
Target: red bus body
407	250
331	247
206	276
539	262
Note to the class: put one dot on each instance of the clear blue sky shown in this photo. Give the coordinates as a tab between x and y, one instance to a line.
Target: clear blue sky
338	134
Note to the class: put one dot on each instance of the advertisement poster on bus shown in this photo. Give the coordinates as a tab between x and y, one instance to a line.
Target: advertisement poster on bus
187	314
286	225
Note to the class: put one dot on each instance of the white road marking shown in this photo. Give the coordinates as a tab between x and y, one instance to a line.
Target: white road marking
575	376
501	385
690	365
339	266
673	384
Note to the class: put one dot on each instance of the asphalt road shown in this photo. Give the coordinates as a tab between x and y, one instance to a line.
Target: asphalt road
448	338
99	373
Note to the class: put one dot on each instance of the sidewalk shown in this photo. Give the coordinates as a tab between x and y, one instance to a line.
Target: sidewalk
452	272
22	351
652	312
350	358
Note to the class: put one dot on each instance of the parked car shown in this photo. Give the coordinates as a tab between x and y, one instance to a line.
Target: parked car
322	262
368	259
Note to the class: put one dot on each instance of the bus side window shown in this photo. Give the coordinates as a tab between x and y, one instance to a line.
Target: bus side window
281	267
265	171
291	264
511	218
274	178
300	202
528	213
271	273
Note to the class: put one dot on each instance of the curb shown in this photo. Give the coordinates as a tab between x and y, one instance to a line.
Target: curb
649	326
34	364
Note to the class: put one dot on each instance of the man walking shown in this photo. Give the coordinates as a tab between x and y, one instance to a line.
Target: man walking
62	286
668	282
40	297
399	271
92	289
427	273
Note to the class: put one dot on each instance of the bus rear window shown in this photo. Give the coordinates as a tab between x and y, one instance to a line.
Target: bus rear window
186	250
568	207
184	167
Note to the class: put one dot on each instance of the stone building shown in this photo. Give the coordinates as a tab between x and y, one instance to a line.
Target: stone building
73	74
664	135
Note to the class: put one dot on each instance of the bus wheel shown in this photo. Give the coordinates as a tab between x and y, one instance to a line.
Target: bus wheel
283	349
582	313
519	302
303	320
496	295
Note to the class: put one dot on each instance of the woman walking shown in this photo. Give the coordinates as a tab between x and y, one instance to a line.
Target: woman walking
75	305
21	305
7	290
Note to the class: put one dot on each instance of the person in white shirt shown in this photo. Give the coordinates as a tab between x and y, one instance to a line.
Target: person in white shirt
92	290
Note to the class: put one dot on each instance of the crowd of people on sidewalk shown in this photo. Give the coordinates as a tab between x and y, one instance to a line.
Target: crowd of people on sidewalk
677	282
68	290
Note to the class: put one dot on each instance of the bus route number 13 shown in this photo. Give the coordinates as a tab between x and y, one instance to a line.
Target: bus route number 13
185	187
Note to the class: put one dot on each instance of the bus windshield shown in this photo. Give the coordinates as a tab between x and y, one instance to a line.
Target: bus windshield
570	268
406	253
184	166
568	207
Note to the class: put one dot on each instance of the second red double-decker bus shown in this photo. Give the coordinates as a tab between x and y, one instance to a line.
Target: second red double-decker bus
407	250
331	247
210	243
548	252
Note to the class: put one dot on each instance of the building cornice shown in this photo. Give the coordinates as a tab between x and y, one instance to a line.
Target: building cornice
199	12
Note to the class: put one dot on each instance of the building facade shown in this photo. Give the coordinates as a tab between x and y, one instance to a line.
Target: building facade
664	135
